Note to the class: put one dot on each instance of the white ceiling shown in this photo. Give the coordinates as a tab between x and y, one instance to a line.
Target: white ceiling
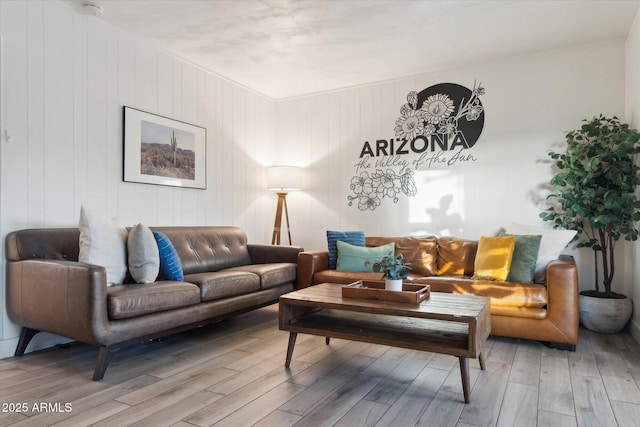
287	48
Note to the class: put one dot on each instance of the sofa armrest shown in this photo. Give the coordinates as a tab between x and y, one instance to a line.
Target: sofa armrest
562	291
66	298
266	254
308	264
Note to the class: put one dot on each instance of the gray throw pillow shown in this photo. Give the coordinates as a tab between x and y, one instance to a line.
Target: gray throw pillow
144	258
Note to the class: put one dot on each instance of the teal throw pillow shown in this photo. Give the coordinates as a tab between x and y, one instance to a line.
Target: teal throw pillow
355	238
170	265
525	255
356	258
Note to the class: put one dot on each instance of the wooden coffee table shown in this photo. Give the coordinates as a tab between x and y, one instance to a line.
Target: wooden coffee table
452	324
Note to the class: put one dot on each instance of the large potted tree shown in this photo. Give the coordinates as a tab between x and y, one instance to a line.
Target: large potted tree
594	192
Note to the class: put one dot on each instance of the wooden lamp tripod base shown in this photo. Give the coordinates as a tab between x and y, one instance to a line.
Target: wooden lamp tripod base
282	204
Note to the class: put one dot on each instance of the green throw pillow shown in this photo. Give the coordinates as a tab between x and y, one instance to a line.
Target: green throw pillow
356	258
525	255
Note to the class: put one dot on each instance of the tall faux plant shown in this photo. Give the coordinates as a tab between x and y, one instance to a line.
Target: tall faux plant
594	190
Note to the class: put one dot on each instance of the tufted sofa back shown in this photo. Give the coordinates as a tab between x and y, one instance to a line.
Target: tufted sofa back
203	248
200	248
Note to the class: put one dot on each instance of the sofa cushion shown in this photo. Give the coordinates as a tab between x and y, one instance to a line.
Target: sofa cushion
144	257
225	283
525	255
271	275
501	293
456	256
355	238
103	242
420	251
133	300
552	243
355	258
170	265
493	258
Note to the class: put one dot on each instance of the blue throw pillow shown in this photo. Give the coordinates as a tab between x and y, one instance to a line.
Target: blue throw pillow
356	258
355	238
170	266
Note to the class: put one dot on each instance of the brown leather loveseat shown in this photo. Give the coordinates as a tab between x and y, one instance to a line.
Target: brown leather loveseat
48	290
545	312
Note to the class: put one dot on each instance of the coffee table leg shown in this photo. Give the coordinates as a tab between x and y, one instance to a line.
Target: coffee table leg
464	371
327	340
292	343
481	360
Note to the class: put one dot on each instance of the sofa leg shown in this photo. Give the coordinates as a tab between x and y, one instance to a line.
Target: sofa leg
559	345
26	334
104	357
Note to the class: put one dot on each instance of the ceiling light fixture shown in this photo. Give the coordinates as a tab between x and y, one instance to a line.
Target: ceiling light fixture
92	9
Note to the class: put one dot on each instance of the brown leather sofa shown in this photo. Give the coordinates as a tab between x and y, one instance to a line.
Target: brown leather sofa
544	312
48	290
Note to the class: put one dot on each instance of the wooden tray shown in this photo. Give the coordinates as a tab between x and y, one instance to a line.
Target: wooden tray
370	289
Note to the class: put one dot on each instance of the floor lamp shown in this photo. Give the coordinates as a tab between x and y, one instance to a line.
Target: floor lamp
282	180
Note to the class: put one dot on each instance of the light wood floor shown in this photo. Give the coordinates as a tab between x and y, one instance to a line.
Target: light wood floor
232	374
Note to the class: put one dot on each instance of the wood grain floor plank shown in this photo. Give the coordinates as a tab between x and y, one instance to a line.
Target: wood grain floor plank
593	408
408	408
396	381
365	413
519	406
616	377
553	419
158	387
526	364
443	411
262	406
336	405
240	397
278	418
627	414
487	394
171	414
556	393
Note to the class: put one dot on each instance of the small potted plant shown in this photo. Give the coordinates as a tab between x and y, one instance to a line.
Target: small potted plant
394	270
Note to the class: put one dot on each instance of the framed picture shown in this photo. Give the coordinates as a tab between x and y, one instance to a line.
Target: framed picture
163	151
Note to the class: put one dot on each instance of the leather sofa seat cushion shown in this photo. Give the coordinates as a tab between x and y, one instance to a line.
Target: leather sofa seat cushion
271	275
127	301
456	256
501	293
224	284
420	252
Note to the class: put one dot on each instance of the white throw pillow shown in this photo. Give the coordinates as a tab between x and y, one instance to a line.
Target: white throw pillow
144	258
552	244
103	242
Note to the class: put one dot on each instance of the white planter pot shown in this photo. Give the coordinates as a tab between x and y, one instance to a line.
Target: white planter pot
393	284
604	315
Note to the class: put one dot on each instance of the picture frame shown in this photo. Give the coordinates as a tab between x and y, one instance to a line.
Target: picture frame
163	151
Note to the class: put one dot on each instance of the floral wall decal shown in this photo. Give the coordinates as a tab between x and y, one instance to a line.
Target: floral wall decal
435	126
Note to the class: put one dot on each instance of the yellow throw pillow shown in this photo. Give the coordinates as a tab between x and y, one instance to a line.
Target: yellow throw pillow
493	259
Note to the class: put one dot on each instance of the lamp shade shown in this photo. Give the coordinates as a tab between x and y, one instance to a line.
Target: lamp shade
284	178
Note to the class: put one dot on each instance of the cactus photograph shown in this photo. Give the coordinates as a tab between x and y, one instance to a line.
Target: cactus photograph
167	152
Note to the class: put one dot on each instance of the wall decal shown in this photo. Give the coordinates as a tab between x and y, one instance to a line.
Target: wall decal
435	126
